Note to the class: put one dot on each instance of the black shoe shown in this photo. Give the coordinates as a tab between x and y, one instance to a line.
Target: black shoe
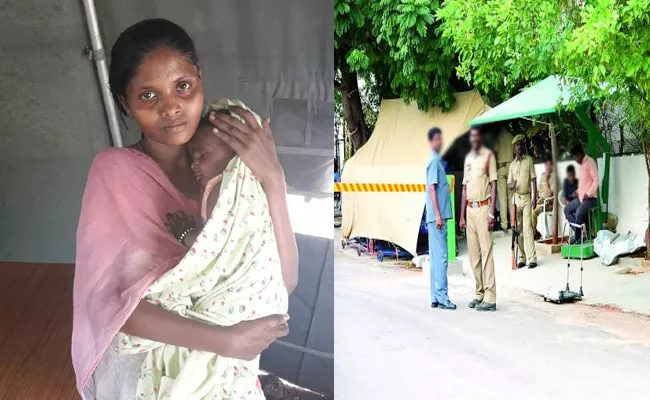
521	265
447	305
486	307
434	304
532	265
574	240
474	303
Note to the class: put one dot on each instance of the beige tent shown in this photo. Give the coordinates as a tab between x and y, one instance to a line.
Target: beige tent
397	152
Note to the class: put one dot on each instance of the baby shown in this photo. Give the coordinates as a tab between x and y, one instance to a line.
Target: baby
210	156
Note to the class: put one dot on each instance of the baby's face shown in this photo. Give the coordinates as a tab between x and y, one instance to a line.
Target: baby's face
210	155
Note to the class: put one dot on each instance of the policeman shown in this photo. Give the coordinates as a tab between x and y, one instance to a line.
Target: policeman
477	214
504	157
522	181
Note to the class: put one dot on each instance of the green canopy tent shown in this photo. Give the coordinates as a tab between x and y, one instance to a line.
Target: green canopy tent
548	96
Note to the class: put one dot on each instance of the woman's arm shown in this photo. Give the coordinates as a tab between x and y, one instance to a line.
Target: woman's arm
152	322
245	340
276	194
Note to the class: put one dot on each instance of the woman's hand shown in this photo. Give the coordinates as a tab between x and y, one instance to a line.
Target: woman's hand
255	146
248	339
179	223
190	238
253	143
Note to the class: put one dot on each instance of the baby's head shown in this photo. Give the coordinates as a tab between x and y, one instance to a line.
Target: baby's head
210	154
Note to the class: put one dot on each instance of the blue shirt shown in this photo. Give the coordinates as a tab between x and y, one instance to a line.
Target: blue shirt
446	167
436	176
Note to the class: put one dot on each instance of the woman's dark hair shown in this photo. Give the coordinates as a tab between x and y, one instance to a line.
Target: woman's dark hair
135	43
577	149
433	132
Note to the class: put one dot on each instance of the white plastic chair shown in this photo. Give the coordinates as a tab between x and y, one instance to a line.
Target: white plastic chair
545	219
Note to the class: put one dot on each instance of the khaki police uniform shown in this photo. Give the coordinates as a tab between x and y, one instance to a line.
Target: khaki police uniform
523	172
479	172
547	189
504	157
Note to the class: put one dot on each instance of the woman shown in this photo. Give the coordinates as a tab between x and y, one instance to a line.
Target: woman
139	206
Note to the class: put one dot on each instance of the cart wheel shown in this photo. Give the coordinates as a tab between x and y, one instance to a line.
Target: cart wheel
380	256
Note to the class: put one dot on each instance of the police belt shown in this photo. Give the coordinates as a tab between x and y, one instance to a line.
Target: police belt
477	204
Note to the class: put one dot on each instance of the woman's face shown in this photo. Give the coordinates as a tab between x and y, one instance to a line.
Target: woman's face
165	97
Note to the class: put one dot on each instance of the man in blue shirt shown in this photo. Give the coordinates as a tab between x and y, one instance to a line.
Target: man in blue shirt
438	212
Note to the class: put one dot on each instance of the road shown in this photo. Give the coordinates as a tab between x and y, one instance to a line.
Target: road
390	344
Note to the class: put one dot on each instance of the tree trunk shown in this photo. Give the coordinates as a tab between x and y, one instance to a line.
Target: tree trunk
556	200
357	129
621	146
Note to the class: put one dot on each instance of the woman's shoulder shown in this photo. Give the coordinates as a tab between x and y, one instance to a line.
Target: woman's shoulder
114	161
114	158
115	154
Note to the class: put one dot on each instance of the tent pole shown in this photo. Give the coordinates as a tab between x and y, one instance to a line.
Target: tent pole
99	56
556	201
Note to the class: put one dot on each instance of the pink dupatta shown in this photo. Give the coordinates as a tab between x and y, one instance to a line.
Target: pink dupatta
122	247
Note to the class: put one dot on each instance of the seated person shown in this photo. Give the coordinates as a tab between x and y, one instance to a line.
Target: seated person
570	186
547	189
577	210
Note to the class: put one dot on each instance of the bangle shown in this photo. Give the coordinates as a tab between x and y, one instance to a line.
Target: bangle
185	232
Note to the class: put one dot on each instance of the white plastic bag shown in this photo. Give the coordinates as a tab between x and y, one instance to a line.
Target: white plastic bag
610	246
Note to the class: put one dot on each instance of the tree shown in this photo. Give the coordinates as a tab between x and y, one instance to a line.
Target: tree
503	46
395	47
608	54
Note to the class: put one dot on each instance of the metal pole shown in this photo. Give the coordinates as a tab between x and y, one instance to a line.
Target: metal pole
556	200
99	56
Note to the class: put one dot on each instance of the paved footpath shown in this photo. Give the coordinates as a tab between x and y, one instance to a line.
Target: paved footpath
391	345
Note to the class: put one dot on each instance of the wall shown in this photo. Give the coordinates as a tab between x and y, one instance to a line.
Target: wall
53	118
52	125
628	190
628	193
